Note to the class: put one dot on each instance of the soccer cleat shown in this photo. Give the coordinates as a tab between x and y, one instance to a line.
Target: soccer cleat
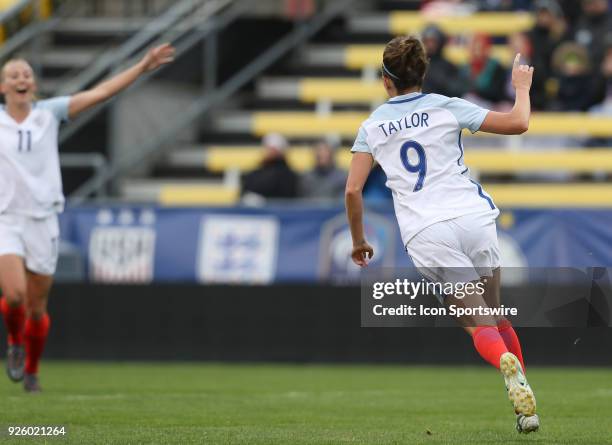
30	383
527	424
15	363
519	392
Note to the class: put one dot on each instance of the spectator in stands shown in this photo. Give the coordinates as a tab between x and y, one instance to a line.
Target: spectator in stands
274	178
325	180
523	5
502	5
375	189
603	85
486	75
436	8
603	91
544	38
592	27
442	77
573	70
299	9
571	11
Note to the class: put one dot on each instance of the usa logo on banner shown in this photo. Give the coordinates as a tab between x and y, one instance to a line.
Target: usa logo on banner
122	247
238	249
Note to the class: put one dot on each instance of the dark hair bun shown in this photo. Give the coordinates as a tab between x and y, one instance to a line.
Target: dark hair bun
406	59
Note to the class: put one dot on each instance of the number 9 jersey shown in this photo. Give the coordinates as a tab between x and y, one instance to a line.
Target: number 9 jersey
416	139
30	176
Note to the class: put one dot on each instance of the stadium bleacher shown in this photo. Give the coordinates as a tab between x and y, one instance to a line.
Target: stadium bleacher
301	158
222	159
311	101
327	87
400	22
312	124
360	56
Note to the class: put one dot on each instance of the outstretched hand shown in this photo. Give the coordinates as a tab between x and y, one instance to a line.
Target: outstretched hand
158	56
521	74
362	253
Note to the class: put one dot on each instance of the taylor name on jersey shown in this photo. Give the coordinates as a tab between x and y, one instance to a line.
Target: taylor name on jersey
414	120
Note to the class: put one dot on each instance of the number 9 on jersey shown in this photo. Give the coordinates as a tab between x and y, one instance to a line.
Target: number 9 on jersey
420	167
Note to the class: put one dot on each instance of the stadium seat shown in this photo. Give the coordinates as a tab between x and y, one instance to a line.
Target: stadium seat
219	159
197	194
550	195
576	160
340	90
310	124
498	24
244	158
505	195
364	55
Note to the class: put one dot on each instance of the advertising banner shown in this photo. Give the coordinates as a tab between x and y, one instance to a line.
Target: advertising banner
299	243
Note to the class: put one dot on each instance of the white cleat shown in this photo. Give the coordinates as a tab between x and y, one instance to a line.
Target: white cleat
519	392
527	424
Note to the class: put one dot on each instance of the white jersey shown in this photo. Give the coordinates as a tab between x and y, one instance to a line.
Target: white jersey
416	139
30	176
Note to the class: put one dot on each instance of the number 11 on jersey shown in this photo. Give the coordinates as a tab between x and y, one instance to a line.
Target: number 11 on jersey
420	167
25	140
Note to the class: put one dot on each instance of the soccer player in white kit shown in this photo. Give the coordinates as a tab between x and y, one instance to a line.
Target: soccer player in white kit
31	198
446	219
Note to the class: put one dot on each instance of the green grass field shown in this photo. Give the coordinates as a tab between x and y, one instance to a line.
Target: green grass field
283	404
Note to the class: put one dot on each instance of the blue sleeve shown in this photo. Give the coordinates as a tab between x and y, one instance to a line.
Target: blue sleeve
361	143
468	115
58	106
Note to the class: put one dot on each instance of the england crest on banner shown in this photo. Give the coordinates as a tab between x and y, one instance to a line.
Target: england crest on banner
238	249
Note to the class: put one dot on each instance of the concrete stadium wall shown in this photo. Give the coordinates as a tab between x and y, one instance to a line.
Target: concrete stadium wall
280	323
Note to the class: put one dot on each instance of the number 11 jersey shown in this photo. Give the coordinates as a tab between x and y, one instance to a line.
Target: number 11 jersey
416	139
30	176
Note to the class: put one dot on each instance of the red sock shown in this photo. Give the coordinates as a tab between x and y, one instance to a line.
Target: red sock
14	319
36	332
511	340
489	344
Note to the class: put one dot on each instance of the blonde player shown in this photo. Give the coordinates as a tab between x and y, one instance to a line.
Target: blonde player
446	219
31	198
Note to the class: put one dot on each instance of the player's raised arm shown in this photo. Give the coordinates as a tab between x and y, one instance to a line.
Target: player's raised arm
361	165
517	120
154	58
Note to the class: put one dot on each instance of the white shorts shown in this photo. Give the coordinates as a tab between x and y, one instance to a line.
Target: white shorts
461	249
35	240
